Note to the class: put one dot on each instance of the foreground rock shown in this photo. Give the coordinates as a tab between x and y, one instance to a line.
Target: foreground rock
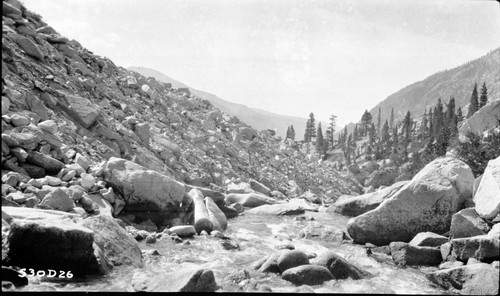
426	203
290	259
406	254
428	239
41	239
481	247
316	230
475	279
467	223
307	275
487	197
357	205
339	267
201	280
119	247
146	192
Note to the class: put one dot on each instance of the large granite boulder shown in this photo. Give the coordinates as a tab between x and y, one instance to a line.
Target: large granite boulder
475	279
467	223
426	203
118	246
191	280
47	239
483	119
428	239
481	247
216	216
339	267
144	191
487	197
81	109
307	275
406	254
249	200
357	205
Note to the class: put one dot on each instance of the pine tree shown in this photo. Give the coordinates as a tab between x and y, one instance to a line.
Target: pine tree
460	116
385	133
423	126
371	134
473	104
379	121
366	119
391	122
483	99
451	117
292	132
355	133
431	123
407	126
310	132
395	139
287	133
319	140
331	127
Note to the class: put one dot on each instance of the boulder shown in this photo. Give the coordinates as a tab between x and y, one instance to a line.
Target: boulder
269	263
249	200
487	197
118	246
382	177
484	118
201	218
481	247
428	239
339	267
87	181
183	231
307	275
277	209
467	223
82	161
30	47
42	239
495	231
194	280
259	187
316	230
405	254
36	105
104	207
143	190
426	203
26	140
19	120
475	279
299	202
49	164
81	109
216	216
58	200
216	196
142	131
311	197
357	205
290	259
241	187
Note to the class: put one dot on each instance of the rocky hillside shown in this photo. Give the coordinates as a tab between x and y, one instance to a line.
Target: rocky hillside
60	99
257	118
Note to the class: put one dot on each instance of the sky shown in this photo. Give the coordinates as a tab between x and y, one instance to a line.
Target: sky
291	57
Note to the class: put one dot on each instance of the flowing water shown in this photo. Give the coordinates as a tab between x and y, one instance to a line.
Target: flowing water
257	237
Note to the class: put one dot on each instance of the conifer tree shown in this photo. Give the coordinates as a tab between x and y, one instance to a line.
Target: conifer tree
431	123
473	104
355	133
331	127
407	126
483	99
379	121
385	133
460	116
310	132
371	134
287	133
366	119
292	132
391	122
423	126
395	139
319	140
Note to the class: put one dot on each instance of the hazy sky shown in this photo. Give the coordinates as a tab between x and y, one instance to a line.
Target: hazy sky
284	56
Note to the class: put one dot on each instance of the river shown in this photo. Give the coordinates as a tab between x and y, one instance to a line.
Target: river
257	236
